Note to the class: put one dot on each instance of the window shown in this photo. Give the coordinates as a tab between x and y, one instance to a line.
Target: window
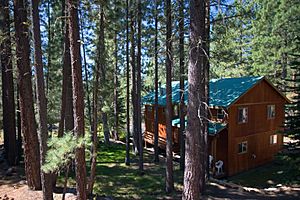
273	139
243	115
242	147
271	111
175	110
220	113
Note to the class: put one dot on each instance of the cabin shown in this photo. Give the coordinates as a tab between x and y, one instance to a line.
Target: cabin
246	115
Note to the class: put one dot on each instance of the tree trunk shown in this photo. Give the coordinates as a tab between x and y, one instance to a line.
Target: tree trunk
127	159
78	100
95	110
138	88
94	133
116	110
169	145
8	100
195	155
19	145
86	76
182	76
133	78
41	100
156	157
206	77
31	144
49	47
103	69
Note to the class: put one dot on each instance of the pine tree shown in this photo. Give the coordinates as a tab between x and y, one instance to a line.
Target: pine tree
127	159
195	155
169	149
8	102
78	102
41	101
29	129
292	123
156	157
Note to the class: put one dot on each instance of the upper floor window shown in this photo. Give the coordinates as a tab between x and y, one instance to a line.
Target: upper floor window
242	115
273	139
243	147
220	114
175	111
271	111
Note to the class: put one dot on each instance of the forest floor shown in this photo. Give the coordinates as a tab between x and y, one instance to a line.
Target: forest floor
115	180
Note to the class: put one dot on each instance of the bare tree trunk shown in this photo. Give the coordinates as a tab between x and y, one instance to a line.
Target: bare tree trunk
94	133
41	100
49	48
103	68
206	77
138	88
133	78
156	157
195	155
31	144
169	145
182	76
95	119
86	76
8	100
116	110
127	159
20	149
78	102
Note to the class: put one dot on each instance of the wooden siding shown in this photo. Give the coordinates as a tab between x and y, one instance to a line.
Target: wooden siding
149	124
257	130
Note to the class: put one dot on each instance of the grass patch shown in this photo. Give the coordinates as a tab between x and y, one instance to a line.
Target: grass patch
269	175
115	179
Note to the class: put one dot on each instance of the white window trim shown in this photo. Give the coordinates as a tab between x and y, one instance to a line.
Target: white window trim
243	143
273	139
242	108
269	107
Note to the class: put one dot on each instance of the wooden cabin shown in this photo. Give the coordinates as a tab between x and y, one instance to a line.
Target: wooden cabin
246	116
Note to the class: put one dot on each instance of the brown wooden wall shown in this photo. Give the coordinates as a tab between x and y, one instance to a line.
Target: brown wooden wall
149	124
257	130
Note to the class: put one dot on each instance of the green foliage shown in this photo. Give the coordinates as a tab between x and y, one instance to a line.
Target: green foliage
62	151
292	123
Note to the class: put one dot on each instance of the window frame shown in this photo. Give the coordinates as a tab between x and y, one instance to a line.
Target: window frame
220	113
269	113
273	139
247	110
244	144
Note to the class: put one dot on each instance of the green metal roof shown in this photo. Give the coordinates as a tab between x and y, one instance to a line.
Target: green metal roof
213	128
223	92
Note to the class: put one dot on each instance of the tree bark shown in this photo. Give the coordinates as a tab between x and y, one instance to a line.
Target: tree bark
8	100
78	100
29	129
19	141
156	135
182	76
127	159
102	61
195	155
66	111
95	129
41	101
169	145
116	110
138	88
133	78
95	120
86	76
